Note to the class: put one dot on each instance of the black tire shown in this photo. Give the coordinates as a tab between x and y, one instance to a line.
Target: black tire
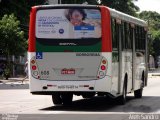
88	95
67	98
138	93
56	98
122	98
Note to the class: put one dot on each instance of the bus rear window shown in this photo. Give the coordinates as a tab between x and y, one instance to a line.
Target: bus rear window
68	23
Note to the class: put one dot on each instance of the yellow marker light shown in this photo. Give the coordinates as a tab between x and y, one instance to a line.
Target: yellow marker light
33	61
104	61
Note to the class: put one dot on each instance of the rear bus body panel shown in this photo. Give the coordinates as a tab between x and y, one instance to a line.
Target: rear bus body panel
86	74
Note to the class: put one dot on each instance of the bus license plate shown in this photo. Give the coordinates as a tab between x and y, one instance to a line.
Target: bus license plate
68	71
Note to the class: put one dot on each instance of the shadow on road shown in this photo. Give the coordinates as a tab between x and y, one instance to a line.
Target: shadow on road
147	104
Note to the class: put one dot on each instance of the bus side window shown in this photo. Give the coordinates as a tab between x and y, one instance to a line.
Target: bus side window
129	43
144	38
126	35
122	35
114	27
136	38
143	35
131	35
127	40
140	38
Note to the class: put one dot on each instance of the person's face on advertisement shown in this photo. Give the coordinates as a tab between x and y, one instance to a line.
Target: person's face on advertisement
76	17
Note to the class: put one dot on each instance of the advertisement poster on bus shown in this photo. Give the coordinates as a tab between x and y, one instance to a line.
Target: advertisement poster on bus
68	23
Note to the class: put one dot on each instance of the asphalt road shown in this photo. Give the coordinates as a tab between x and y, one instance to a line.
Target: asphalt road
27	106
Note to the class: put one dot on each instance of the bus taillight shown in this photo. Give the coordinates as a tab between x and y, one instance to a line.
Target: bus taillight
103	69
104	61
34	68
33	61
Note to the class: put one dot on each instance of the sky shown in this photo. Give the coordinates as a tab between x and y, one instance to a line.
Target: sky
148	5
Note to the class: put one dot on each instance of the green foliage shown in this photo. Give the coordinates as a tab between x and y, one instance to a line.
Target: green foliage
7	72
21	9
11	37
92	2
12	41
125	6
72	1
156	46
153	19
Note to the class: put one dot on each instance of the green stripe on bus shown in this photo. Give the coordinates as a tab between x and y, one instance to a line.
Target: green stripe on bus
91	48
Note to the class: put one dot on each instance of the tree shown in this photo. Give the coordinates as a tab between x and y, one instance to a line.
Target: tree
126	6
153	19
12	41
21	9
156	45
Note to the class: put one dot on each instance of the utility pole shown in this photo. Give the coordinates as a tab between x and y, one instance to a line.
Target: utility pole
60	1
53	1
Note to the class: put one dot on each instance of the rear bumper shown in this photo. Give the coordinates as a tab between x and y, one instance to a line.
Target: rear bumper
44	86
74	92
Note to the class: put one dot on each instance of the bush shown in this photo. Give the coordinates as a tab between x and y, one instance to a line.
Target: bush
6	74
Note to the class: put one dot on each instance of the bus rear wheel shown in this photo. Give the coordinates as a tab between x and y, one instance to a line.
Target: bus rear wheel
67	98
56	98
122	98
138	93
88	95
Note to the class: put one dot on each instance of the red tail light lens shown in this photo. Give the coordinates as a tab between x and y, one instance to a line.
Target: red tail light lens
103	67
34	67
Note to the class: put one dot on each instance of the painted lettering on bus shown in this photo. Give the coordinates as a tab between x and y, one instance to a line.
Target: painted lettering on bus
87	54
127	59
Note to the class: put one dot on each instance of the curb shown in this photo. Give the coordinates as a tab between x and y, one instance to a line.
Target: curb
13	80
13	86
155	74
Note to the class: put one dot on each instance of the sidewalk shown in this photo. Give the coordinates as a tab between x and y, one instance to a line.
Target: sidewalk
15	79
155	72
14	83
